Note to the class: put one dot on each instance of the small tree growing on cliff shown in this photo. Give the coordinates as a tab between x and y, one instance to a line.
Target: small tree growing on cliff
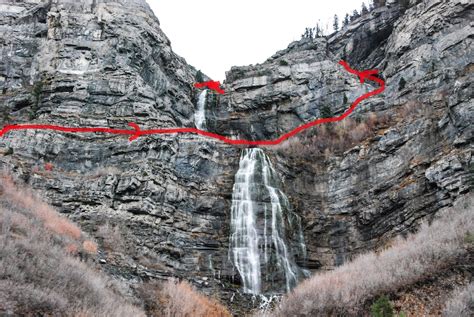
346	20
199	76
307	34
326	112
364	9
36	92
355	15
336	23
401	84
382	308
318	30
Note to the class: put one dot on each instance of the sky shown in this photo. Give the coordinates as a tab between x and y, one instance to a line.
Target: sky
214	35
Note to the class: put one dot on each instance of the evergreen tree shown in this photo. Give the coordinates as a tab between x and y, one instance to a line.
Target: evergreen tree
199	77
364	10
401	84
319	31
382	308
346	20
308	33
355	15
326	112
336	23
305	34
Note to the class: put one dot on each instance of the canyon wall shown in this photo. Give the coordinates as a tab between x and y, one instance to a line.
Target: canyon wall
108	63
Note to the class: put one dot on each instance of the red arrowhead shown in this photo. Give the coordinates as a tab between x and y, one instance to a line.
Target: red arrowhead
213	85
137	131
363	75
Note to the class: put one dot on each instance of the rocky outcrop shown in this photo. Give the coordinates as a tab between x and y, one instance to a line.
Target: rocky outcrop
411	167
107	63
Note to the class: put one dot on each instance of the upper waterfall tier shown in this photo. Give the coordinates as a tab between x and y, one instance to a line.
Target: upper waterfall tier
200	115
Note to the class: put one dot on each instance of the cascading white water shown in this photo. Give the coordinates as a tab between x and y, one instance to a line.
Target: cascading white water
200	114
244	238
261	218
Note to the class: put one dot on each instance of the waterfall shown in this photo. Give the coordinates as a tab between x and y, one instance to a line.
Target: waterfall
263	228
200	115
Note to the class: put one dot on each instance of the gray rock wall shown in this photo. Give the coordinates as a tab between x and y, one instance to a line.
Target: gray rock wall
411	168
107	63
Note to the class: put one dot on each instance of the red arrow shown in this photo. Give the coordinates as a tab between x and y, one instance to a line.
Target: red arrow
213	85
136	132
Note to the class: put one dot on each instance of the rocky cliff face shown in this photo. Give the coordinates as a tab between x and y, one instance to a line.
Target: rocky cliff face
414	164
107	63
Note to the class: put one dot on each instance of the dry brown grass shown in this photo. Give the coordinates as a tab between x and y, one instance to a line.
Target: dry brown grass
178	299
39	274
50	217
414	108
345	290
334	138
89	247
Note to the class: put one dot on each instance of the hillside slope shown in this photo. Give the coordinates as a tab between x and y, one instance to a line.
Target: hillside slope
44	263
441	251
49	267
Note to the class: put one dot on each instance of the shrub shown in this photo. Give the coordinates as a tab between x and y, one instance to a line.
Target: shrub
89	247
6	116
282	62
199	77
72	249
326	112
382	307
345	290
333	138
9	151
461	303
401	84
51	218
178	299
37	91
39	276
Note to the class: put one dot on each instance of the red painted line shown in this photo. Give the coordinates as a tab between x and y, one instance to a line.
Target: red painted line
136	132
